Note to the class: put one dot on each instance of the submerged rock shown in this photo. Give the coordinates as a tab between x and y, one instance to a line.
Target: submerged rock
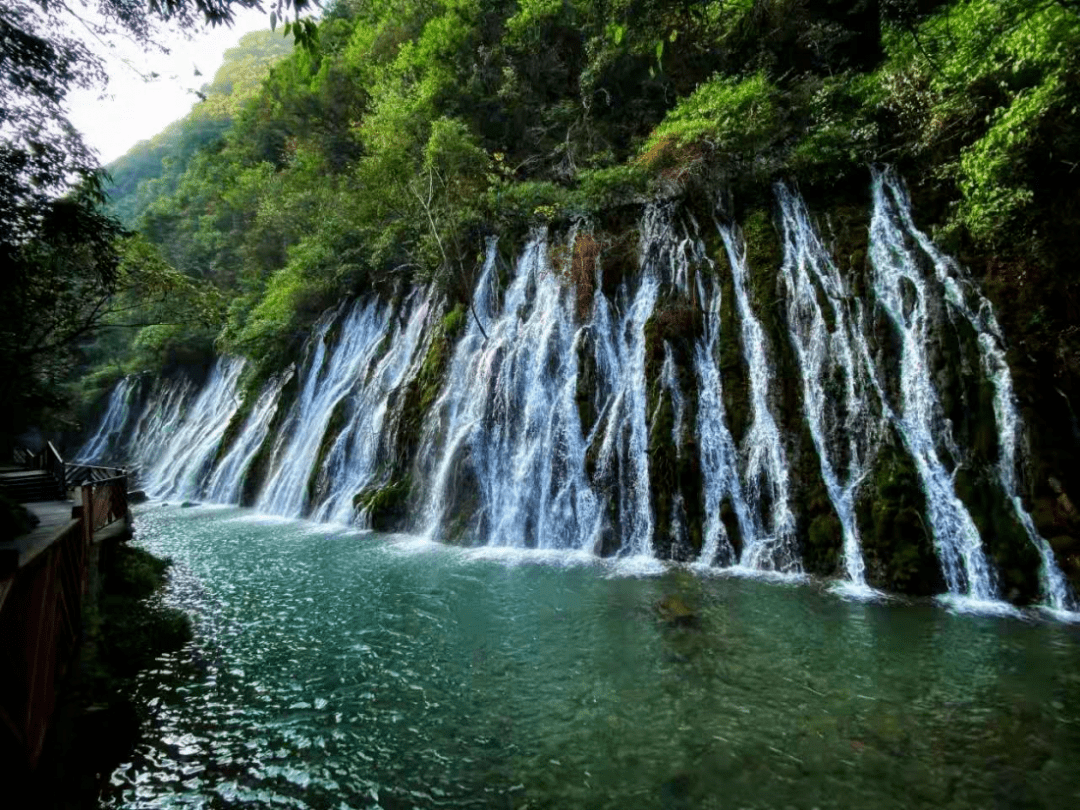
674	611
188	504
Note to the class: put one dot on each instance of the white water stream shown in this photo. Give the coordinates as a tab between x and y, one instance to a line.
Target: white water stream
835	382
504	461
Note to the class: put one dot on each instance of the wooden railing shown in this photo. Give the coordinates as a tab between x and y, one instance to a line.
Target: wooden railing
40	628
104	502
41	607
78	474
53	464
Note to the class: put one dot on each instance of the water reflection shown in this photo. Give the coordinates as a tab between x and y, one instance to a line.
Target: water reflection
335	669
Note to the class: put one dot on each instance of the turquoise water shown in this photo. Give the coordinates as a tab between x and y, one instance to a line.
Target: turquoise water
338	669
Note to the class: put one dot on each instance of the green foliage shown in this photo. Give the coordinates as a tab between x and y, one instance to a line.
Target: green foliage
385	151
153	168
728	115
985	87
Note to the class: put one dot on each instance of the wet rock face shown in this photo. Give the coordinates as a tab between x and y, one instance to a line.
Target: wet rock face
897	544
583	372
1058	520
674	465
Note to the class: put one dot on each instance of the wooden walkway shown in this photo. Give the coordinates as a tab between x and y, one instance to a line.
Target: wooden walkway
46	575
55	518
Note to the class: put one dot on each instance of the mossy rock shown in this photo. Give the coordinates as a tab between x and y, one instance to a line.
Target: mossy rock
674	468
585	392
134	631
317	482
1009	549
897	545
674	611
235	426
734	375
619	260
386	506
824	539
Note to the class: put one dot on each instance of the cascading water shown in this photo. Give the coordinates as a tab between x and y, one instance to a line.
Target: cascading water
770	545
158	424
904	292
836	387
508	414
329	377
181	468
670	384
226	482
964	296
110	439
620	359
504	456
352	461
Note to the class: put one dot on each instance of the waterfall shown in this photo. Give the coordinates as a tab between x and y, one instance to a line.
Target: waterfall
835	381
506	431
964	296
620	358
539	433
328	378
227	481
109	439
179	470
158	424
904	293
352	460
770	545
719	455
670	383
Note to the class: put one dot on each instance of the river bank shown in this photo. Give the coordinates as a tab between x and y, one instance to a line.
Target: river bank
98	720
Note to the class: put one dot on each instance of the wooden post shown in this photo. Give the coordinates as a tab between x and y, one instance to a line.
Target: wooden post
88	513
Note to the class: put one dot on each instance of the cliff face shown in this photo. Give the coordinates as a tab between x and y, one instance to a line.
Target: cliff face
772	388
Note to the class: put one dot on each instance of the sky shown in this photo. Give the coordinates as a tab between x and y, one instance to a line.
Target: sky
131	109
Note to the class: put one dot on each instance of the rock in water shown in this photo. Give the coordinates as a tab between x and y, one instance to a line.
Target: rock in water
674	611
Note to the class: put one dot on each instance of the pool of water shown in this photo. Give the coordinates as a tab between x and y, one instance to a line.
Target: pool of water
338	669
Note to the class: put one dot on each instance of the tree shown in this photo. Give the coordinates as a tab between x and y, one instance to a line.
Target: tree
61	254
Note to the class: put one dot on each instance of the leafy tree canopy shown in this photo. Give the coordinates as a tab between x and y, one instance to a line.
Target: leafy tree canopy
63	257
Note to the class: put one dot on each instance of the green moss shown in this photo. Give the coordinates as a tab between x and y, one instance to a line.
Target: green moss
824	539
897	545
454	322
818	524
585	391
763	247
385	505
1005	541
421	392
733	371
131	632
674	466
232	430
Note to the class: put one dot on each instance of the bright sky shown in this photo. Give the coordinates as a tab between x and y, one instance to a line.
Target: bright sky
133	109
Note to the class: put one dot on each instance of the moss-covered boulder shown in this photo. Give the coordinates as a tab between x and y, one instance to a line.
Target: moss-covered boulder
385	505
